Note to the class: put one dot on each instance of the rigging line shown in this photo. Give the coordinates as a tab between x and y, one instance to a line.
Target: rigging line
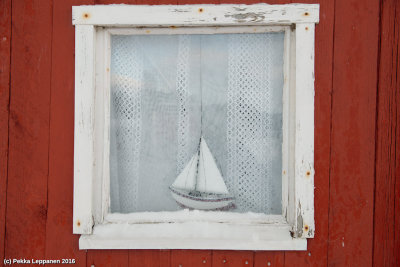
201	114
204	171
187	174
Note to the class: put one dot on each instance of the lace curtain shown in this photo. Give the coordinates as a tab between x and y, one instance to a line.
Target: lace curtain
167	90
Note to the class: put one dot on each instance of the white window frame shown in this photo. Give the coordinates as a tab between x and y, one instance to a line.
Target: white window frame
192	229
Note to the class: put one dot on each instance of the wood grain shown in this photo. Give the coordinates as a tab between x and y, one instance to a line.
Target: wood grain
5	50
316	254
387	198
60	242
191	258
38	222
229	258
149	258
353	133
269	258
29	129
106	258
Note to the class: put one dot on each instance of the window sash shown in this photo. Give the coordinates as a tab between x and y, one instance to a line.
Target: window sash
91	191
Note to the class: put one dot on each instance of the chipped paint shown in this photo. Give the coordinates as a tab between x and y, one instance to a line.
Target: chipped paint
226	15
247	17
299	232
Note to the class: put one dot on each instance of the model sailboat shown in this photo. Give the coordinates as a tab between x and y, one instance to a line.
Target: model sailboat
200	184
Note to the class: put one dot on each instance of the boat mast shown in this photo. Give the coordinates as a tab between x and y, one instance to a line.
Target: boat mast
201	120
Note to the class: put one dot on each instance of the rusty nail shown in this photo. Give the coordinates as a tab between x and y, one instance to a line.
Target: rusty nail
306	28
308	173
306	14
201	10
224	260
306	227
78	223
86	15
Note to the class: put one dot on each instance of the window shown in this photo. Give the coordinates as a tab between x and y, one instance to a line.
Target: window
194	126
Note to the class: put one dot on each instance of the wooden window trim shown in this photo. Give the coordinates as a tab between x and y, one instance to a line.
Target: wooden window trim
101	230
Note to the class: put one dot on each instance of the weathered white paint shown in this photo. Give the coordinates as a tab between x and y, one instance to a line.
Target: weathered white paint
84	154
192	235
98	128
92	100
285	123
194	15
105	72
197	30
304	132
196	216
291	130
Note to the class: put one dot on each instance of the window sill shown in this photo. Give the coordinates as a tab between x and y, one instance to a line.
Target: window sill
192	235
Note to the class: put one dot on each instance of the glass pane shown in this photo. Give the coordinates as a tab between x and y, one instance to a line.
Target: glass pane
196	121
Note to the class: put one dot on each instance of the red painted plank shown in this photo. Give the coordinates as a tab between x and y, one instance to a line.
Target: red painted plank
149	258
191	258
269	259
107	258
60	242
5	41
110	2
229	258
353	133
29	129
386	227
317	248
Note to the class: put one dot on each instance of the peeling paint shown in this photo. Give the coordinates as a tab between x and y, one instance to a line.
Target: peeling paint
240	8
299	230
299	225
179	10
246	17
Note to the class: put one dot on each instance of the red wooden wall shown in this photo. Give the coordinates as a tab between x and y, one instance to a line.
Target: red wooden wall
357	139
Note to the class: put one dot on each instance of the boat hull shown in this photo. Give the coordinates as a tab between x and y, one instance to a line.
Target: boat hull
205	201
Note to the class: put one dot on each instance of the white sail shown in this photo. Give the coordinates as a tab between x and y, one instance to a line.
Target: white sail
187	178
209	178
